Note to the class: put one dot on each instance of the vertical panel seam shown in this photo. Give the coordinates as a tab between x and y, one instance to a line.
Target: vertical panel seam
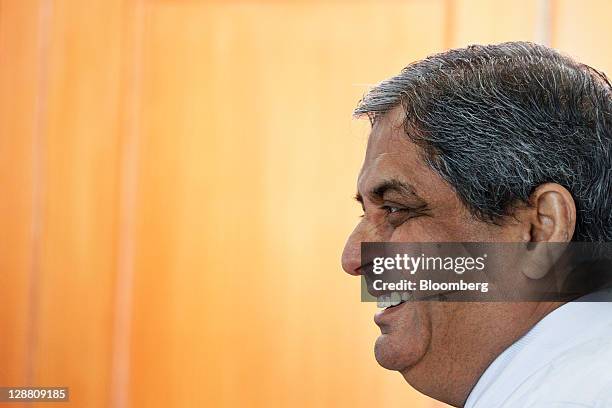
448	24
129	156
45	11
543	28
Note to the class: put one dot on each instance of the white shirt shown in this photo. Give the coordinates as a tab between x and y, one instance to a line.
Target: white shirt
564	361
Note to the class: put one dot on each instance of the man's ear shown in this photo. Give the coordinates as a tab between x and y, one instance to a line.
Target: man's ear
550	218
553	215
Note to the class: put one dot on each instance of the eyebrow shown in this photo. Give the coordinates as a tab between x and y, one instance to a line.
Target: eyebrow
391	185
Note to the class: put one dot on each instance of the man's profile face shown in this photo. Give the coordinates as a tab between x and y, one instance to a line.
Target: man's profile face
406	201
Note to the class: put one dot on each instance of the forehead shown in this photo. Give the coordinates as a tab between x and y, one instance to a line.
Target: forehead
391	154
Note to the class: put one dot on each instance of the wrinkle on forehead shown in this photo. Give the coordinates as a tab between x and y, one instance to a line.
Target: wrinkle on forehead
387	130
385	165
387	137
390	154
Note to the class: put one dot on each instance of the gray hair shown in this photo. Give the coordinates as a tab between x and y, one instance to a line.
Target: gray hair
497	121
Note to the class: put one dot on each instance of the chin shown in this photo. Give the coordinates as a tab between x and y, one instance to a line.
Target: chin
398	354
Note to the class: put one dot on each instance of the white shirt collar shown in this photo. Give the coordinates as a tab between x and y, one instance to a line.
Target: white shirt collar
566	326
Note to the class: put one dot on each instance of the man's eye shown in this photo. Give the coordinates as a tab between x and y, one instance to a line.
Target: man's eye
396	216
391	210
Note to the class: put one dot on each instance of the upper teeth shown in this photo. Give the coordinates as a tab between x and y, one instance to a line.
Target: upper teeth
393	299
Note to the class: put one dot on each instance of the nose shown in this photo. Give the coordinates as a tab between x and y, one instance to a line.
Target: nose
351	256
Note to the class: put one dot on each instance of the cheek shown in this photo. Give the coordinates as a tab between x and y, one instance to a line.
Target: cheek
426	229
448	229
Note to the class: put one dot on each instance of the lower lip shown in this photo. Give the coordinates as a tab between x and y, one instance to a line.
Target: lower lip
382	315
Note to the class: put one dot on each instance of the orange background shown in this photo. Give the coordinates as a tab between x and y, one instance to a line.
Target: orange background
176	181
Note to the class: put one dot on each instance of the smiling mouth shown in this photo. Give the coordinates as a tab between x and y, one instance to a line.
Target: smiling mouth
392	300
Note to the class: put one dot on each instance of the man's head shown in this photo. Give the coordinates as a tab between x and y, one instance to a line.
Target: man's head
501	143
